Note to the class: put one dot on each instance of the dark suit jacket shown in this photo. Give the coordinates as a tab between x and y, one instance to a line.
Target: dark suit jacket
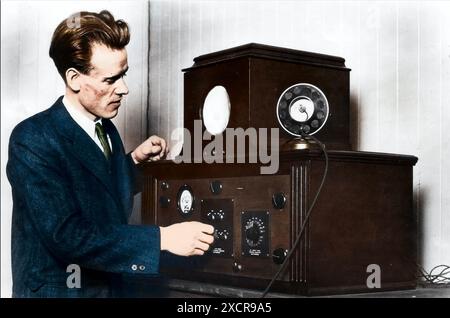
71	206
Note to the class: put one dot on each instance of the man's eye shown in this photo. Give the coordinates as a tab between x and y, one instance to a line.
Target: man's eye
113	80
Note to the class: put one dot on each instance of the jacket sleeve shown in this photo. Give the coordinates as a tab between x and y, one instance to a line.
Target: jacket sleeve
134	170
45	199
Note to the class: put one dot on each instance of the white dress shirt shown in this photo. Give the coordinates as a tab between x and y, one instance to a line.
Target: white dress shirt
85	123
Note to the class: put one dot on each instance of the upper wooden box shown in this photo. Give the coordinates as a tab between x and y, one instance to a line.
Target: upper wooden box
255	76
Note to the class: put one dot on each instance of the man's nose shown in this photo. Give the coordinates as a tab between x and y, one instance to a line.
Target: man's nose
122	88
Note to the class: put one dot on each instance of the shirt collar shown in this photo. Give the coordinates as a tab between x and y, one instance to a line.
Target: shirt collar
82	120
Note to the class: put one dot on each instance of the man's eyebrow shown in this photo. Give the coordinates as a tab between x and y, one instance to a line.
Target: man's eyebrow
114	77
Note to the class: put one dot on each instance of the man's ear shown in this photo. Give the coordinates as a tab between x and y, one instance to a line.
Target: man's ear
73	79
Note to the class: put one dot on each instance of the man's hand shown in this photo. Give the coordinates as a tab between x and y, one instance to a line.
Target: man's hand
187	238
154	148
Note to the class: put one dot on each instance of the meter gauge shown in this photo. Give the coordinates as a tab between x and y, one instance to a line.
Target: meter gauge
185	200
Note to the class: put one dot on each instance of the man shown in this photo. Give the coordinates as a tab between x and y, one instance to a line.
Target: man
72	182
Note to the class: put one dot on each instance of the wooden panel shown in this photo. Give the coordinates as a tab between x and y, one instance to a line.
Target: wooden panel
299	207
248	194
233	76
273	77
247	71
363	216
367	220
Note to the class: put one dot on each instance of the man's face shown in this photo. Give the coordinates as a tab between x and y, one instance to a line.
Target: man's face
101	90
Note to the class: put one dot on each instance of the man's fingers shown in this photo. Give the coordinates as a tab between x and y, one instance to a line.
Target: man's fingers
163	147
202	246
209	229
152	149
155	140
198	252
209	239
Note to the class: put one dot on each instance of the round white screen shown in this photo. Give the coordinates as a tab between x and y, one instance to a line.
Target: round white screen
216	110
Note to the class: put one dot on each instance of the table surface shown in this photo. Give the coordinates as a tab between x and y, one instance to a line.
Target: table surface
175	288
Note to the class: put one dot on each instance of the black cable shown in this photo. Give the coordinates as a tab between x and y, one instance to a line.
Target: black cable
300	234
443	277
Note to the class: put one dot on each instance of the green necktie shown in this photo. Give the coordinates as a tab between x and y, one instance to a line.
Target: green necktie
103	140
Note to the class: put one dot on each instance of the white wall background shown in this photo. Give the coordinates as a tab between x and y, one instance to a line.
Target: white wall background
399	53
30	82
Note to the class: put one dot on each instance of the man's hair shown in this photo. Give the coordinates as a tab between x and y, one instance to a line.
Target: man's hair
74	37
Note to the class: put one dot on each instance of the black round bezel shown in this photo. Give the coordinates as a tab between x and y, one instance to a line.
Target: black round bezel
317	120
180	191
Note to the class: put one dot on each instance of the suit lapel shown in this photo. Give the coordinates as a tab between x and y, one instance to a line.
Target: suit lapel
83	147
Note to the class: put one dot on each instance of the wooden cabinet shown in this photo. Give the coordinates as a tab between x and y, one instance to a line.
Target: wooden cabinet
255	75
363	221
364	215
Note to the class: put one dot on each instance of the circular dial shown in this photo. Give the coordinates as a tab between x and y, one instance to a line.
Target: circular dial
302	109
254	230
185	200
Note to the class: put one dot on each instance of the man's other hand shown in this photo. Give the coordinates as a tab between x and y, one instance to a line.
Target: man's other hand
153	149
187	238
